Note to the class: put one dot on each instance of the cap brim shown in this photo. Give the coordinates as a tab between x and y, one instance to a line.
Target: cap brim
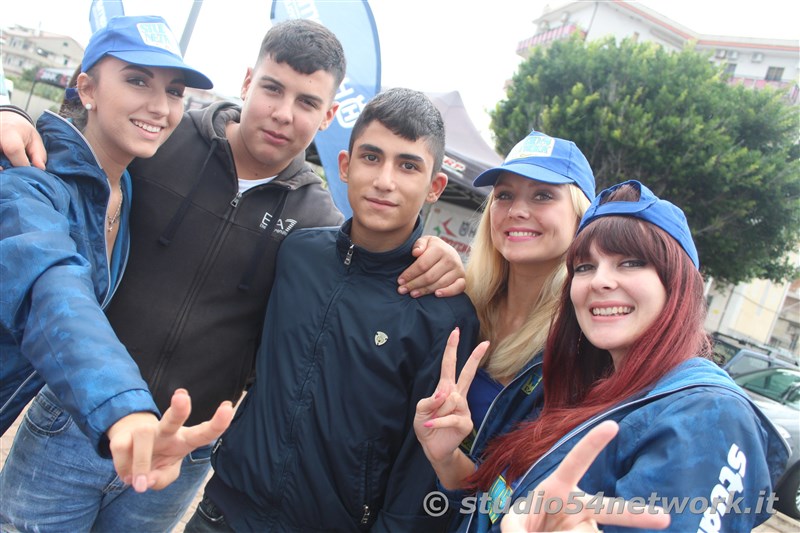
526	170
192	77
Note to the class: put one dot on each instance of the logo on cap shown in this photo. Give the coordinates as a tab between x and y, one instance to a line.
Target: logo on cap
532	146
157	34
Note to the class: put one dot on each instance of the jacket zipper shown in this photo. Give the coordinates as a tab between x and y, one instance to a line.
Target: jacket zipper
188	304
349	256
365	510
208	260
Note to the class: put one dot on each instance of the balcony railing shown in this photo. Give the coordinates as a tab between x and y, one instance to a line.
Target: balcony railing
562	32
791	88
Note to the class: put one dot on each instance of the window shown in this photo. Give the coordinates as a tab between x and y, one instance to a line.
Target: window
774	74
730	69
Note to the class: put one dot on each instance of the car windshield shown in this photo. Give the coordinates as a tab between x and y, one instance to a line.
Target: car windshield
779	384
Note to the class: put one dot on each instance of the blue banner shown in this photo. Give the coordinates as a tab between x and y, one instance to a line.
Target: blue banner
352	22
102	10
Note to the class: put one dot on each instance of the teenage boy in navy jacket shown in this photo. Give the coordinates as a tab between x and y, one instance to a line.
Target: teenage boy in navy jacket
324	438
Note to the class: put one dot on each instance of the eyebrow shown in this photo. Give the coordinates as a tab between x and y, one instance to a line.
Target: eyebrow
149	73
308	96
372	148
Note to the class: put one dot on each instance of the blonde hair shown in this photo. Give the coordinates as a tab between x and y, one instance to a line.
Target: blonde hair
487	283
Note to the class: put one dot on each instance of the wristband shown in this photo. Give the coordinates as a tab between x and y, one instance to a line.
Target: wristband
18	111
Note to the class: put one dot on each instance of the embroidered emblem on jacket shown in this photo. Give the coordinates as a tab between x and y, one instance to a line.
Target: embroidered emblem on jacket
282	226
381	338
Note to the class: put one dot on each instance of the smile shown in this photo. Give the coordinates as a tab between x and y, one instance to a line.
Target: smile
147	127
611	311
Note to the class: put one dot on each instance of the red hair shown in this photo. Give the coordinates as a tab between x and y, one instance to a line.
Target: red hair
579	379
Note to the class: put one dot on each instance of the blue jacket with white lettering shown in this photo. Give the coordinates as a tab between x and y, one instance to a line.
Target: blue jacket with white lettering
324	439
690	439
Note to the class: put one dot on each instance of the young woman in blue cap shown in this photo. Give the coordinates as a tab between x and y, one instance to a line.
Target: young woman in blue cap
516	270
64	242
627	346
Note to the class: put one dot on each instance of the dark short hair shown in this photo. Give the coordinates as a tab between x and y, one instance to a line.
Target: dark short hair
409	114
306	46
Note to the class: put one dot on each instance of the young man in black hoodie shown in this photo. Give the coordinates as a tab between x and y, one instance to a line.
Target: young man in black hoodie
324	439
210	211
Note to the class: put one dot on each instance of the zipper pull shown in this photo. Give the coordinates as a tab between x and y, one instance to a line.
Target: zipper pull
365	515
235	200
349	255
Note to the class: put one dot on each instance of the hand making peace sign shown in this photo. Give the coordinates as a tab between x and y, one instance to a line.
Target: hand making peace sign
443	420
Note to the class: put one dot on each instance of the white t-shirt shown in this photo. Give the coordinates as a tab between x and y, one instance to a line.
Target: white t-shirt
246	185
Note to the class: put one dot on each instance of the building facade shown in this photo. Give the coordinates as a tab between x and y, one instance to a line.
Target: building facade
753	62
26	48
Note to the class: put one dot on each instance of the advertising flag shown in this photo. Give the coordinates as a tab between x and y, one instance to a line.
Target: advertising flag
353	24
102	10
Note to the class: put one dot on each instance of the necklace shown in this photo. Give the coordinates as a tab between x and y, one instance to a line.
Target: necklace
114	219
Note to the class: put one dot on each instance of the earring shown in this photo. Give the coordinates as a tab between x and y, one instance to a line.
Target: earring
580	338
88	107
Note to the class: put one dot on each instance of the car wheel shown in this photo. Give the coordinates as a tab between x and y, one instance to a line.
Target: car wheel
789	494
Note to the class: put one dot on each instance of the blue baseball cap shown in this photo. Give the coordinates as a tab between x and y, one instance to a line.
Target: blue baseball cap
649	208
547	159
142	40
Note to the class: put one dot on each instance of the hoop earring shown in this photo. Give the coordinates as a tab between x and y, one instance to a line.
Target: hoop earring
88	107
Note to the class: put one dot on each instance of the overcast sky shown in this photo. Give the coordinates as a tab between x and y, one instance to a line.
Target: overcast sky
430	45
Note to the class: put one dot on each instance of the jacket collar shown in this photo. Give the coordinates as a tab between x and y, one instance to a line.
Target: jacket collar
69	153
397	259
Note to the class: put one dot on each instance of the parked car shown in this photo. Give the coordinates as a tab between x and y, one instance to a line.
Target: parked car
776	391
738	356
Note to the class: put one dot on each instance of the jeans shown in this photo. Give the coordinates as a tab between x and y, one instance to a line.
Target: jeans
54	480
207	519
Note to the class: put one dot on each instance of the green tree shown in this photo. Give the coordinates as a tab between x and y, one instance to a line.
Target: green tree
726	154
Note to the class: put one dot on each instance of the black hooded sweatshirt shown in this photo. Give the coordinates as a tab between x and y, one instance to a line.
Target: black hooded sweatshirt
191	304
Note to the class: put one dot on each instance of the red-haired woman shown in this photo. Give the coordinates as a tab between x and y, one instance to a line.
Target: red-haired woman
627	345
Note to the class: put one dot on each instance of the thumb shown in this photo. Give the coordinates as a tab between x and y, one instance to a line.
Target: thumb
420	246
38	161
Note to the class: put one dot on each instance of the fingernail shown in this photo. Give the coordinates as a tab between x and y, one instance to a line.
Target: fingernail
140	483
415	294
403	290
428	424
401	281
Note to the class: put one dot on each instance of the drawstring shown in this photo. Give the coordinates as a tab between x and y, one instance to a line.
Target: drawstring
249	274
177	219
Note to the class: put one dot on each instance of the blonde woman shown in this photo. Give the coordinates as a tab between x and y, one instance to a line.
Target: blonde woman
516	270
